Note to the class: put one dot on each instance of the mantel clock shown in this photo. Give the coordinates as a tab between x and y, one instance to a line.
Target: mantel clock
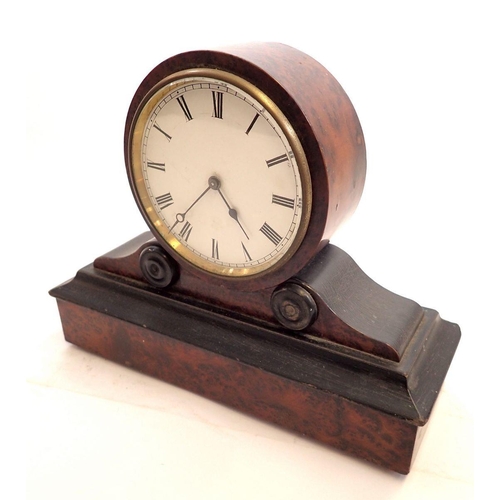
243	162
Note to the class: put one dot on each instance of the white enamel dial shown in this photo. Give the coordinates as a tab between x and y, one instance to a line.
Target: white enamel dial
220	174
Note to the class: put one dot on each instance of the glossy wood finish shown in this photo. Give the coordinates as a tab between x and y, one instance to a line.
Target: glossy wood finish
353	310
382	439
324	120
365	405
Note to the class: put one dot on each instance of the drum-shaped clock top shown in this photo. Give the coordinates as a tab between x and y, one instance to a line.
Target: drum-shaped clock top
242	168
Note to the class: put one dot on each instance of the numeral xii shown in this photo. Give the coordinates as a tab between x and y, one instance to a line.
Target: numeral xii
217	98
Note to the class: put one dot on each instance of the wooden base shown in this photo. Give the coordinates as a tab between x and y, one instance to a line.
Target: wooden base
370	407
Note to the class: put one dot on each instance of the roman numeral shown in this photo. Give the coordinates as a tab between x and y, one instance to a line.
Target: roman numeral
278	159
185	232
184	107
156	165
163	132
270	233
215	249
284	202
217	101
245	253
164	201
252	123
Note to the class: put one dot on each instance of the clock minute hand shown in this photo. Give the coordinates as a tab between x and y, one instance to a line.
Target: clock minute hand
181	216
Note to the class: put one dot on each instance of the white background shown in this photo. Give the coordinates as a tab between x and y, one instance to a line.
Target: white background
423	79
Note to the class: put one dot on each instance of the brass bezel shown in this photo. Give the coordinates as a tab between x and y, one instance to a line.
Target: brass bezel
157	93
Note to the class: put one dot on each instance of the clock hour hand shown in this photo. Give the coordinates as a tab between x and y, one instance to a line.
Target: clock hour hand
214	183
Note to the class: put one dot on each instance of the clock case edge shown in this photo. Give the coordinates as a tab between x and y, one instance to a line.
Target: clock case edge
366	405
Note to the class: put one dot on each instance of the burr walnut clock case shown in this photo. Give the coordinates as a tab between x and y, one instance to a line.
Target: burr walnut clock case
243	162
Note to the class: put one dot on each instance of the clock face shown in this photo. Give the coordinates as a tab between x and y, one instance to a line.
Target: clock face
220	174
